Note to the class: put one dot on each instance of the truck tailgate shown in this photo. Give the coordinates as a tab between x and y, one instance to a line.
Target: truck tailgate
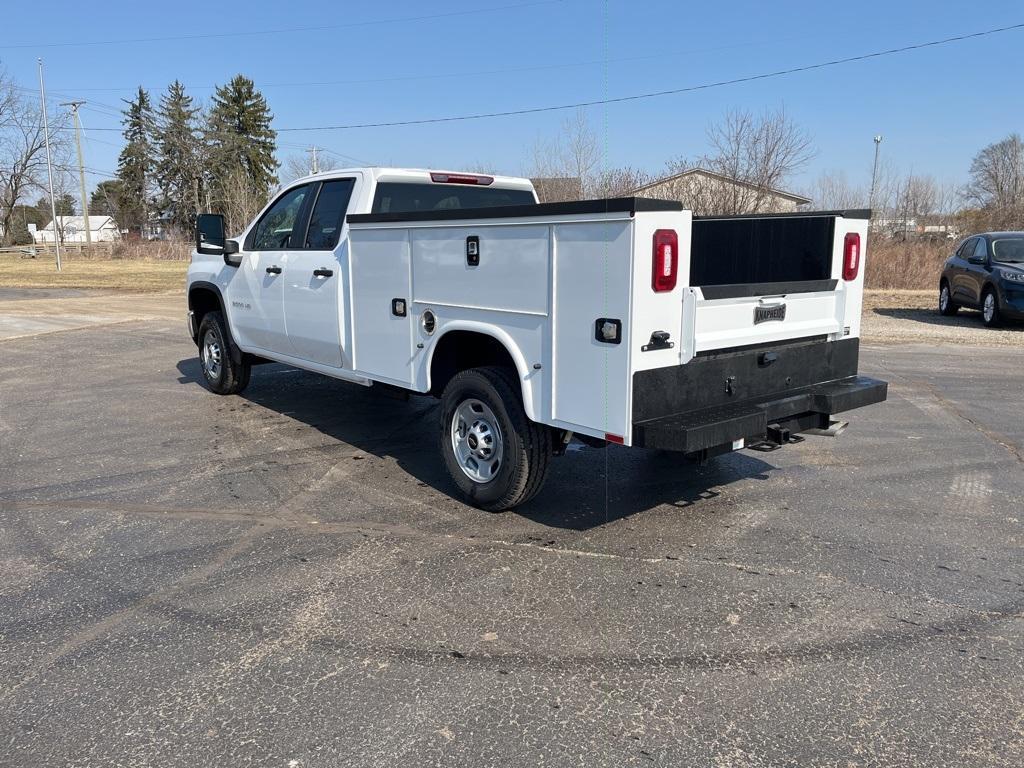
720	323
758	280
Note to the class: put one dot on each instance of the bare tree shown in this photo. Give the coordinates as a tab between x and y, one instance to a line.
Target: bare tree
240	201
565	166
297	166
761	152
618	182
22	150
997	183
832	190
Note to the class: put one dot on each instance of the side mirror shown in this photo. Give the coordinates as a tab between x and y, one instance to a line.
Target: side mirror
210	237
976	260
231	255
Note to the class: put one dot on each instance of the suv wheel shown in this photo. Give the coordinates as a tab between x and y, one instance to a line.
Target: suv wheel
947	306
990	309
223	375
495	455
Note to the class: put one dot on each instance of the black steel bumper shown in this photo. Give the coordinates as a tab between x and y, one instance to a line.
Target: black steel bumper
794	411
751	394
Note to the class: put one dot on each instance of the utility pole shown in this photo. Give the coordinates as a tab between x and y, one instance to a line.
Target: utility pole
49	163
314	165
81	167
874	175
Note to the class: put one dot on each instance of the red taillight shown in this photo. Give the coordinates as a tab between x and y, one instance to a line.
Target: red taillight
666	260
614	438
851	256
461	178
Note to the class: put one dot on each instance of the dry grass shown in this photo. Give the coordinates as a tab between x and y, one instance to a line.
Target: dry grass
893	268
906	266
136	275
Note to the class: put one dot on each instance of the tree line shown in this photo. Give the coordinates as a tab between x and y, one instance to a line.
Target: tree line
180	159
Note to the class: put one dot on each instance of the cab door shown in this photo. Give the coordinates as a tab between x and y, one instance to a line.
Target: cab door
316	277
255	293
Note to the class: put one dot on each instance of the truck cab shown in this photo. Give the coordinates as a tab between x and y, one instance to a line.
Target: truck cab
285	289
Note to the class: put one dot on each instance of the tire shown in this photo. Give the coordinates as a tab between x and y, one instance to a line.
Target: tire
496	456
217	357
990	309
947	306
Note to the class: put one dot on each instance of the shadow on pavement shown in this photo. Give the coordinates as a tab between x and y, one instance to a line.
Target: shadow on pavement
586	487
965	319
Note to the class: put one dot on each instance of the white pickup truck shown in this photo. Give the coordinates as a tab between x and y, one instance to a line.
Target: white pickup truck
624	321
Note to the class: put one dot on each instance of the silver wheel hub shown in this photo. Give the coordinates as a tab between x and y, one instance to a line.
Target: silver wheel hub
944	297
212	355
476	441
990	306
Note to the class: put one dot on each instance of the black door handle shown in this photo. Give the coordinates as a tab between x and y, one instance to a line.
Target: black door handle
274	270
323	272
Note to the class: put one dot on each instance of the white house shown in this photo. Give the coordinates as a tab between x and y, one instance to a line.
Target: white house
101	228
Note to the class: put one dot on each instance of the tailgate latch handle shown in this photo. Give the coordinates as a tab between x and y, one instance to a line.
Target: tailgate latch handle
767	358
659	340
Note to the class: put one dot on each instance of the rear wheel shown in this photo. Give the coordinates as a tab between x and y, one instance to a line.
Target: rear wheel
223	375
990	309
947	306
495	455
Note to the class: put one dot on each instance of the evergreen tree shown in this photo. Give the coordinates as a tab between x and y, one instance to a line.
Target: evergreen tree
135	166
179	157
241	146
104	200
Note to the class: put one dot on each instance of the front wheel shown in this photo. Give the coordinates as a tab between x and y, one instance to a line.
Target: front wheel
947	306
495	455
223	375
990	309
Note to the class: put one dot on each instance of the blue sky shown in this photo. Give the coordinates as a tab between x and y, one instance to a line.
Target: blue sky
935	107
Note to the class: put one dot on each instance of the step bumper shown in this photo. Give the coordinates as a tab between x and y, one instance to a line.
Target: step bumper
796	410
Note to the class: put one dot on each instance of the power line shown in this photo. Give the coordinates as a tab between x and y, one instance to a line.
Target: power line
654	94
287	30
450	75
669	92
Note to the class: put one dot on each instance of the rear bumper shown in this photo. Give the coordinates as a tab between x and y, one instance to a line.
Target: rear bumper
795	411
718	399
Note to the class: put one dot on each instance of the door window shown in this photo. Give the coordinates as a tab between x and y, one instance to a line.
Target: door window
981	249
273	232
329	215
966	249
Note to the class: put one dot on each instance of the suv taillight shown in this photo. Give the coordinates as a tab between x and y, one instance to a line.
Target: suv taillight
665	261
851	256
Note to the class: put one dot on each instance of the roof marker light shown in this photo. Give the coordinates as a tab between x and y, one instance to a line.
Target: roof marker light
461	178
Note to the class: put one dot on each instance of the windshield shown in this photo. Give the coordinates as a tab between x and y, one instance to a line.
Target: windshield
397	197
1008	250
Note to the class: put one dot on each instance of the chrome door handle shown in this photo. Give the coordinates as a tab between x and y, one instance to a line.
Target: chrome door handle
274	270
321	272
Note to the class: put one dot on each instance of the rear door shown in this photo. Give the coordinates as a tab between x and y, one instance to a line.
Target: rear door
957	271
763	279
977	271
315	277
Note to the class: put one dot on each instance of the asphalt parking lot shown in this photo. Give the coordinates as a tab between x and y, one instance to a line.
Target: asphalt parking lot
282	579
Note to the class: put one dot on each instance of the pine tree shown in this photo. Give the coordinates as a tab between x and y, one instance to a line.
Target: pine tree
179	160
136	163
241	147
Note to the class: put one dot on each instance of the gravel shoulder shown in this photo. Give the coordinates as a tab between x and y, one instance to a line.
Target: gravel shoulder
911	317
